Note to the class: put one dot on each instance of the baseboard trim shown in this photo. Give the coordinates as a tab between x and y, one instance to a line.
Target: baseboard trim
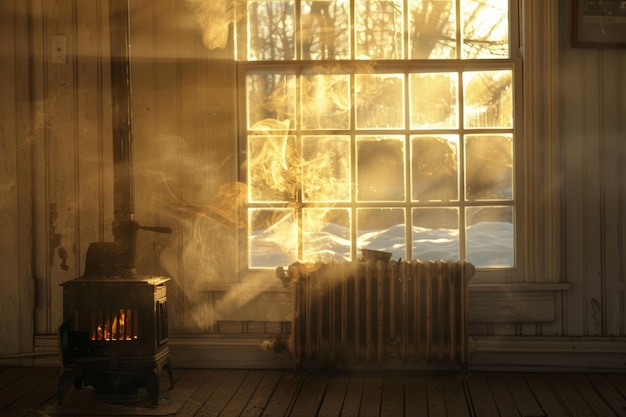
548	353
502	353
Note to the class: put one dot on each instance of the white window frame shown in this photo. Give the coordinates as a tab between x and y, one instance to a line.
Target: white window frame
538	235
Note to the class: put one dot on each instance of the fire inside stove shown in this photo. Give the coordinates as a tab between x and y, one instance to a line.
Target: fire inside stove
119	324
122	325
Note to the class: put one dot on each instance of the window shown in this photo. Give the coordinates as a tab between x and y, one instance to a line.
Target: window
388	125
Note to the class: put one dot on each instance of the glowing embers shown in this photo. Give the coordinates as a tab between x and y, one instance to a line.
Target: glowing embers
113	324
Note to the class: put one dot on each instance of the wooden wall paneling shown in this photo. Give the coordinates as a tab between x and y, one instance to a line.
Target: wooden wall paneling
573	174
9	210
611	145
223	161
621	280
61	155
194	168
168	141
90	135
146	156
24	179
105	160
593	302
38	82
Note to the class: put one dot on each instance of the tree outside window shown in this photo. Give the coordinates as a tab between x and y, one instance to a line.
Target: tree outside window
387	126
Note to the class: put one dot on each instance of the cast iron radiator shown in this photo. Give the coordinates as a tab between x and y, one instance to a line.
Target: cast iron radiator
368	312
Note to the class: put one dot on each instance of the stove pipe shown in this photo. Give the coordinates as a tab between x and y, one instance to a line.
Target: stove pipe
121	97
118	258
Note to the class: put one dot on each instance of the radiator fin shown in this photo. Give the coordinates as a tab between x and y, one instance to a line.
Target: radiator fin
372	311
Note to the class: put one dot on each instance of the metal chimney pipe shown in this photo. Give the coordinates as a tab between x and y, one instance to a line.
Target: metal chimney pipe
121	96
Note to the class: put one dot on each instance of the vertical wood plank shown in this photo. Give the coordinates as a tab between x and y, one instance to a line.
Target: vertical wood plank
24	180
9	209
613	113
611	151
148	189
39	170
572	102
168	144
620	308
592	184
61	156
89	135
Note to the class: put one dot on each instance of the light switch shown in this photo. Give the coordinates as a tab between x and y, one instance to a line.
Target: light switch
59	49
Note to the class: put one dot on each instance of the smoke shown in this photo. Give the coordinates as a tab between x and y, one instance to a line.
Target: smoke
215	18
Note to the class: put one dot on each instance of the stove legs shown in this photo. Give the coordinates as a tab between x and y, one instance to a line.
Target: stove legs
104	378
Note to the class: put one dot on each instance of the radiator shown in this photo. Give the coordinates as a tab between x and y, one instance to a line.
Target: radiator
370	312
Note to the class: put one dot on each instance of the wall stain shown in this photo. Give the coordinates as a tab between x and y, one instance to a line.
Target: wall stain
596	314
55	240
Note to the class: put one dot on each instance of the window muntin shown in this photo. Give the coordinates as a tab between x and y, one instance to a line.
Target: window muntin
344	155
287	30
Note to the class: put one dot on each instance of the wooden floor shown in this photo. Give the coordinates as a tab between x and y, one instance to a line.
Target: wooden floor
203	392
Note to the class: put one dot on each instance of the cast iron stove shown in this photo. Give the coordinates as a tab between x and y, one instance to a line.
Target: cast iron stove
115	323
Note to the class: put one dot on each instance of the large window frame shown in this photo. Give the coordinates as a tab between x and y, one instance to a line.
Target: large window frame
537	202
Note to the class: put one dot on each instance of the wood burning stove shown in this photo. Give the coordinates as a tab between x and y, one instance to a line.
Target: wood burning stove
114	336
115	322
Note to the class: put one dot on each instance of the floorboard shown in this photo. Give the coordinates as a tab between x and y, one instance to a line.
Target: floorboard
525	401
548	401
29	392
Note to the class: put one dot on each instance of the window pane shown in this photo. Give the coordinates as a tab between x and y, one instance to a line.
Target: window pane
490	236
380	168
489	167
435	168
382	229
325	101
273	168
488	99
432	32
326	168
436	234
379	29
433	100
379	101
325	29
273	237
485	29
326	234
271	30
270	96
